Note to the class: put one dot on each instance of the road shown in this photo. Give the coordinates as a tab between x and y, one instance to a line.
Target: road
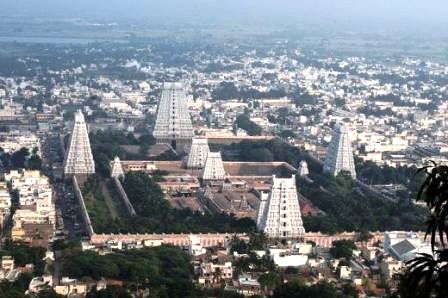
64	199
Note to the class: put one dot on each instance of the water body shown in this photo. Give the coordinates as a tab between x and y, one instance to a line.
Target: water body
53	40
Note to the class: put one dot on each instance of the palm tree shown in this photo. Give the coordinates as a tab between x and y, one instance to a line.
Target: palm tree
428	273
217	275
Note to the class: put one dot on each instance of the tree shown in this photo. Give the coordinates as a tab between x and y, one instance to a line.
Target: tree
342	249
270	280
19	157
109	292
34	162
429	272
48	293
287	134
225	91
364	236
244	122
298	289
217	275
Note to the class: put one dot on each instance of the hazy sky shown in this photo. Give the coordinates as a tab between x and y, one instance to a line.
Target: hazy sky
287	11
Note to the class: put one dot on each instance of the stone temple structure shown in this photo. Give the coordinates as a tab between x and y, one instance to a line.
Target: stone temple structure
279	213
303	169
173	123
116	168
79	158
198	153
214	168
339	155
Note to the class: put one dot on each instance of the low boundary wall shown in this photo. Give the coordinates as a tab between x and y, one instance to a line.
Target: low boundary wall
84	213
124	197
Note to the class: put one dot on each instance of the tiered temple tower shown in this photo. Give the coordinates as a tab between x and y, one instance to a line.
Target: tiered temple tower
198	153
79	158
279	213
116	168
303	169
173	124
340	153
214	168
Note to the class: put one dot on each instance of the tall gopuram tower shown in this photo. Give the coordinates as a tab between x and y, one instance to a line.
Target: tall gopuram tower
279	215
79	158
173	124
339	155
198	153
214	168
303	171
116	168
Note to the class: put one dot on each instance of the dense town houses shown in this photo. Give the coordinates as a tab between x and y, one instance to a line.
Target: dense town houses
34	221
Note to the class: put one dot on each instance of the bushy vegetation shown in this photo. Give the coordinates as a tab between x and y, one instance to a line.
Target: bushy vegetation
244	122
371	173
228	90
272	150
24	254
165	271
106	145
20	159
154	213
96	205
257	241
15	289
342	249
427	273
347	207
299	289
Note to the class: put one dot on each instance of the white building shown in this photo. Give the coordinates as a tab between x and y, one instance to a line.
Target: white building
404	246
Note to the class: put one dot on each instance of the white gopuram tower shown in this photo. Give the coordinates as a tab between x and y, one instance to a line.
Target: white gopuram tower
339	155
279	215
116	168
303	171
79	158
173	123
198	153
214	168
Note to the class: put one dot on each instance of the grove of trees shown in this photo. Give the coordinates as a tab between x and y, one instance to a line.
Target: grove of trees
165	271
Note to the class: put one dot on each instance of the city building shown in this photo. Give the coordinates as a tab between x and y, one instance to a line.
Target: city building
34	222
404	246
211	273
279	213
15	140
79	159
173	124
5	204
339	155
